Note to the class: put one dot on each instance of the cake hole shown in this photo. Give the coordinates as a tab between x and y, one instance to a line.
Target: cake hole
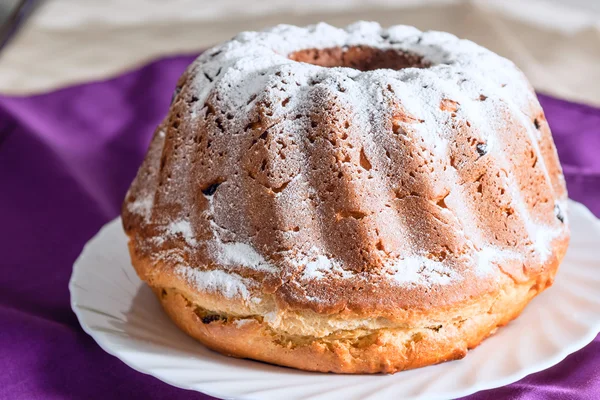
358	215
207	319
449	105
280	188
209	109
252	126
453	162
559	214
481	149
364	161
219	123
537	124
442	202
397	129
251	99
211	188
362	58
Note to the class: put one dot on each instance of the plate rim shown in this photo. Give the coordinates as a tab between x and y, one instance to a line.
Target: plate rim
457	393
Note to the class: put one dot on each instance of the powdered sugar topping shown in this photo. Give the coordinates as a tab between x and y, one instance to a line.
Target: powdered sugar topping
476	82
489	257
142	207
236	253
318	266
183	228
242	67
216	281
233	253
418	270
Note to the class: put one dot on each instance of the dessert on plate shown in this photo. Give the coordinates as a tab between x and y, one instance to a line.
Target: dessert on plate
354	200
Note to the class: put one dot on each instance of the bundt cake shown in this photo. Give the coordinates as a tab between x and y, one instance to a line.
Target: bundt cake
354	200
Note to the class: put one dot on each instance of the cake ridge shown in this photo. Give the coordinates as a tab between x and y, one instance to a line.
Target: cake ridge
248	87
350	200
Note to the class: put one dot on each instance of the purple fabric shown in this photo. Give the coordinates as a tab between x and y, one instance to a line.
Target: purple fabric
66	160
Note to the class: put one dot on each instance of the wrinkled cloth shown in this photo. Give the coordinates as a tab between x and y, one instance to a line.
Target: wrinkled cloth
66	160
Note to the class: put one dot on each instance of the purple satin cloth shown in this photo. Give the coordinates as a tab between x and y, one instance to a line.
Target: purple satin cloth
66	161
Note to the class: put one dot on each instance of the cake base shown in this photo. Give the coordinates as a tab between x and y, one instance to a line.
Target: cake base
359	351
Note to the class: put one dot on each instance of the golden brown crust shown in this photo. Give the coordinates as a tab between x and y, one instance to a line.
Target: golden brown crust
361	221
380	351
241	333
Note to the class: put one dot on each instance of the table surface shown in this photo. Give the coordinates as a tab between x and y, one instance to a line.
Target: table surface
66	160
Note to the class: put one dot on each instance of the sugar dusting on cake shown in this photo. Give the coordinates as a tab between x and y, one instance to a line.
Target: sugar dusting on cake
184	228
221	282
248	57
488	259
318	266
418	270
542	241
216	281
243	72
235	253
142	207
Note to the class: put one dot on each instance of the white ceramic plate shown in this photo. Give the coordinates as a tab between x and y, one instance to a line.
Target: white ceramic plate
126	320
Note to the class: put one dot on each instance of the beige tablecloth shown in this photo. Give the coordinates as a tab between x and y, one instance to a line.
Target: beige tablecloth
556	43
